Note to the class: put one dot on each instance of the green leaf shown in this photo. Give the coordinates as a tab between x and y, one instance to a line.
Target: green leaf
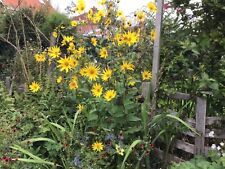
133	130
92	117
39	139
133	118
18	148
136	142
58	126
36	161
182	122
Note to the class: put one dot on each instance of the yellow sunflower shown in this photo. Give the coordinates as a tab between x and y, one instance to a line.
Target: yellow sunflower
80	6
64	64
54	52
97	146
153	35
103	53
97	90
146	75
92	71
152	7
107	73
80	107
119	13
140	15
34	87
73	62
109	95
131	81
127	66
67	40
73	84
131	38
59	79
40	57
94	41
83	71
71	48
55	34
73	23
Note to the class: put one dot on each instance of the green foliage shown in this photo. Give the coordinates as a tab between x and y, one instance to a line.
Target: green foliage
193	53
52	21
27	29
199	162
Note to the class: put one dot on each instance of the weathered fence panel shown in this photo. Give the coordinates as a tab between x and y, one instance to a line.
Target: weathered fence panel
201	124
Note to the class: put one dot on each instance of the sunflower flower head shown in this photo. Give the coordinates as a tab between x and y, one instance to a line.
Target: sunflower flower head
126	66
119	13
80	6
153	35
97	146
73	84
40	57
73	62
131	81
59	79
106	75
80	107
94	41
34	87
140	16
73	23
92	72
83	71
67	40
109	95
64	64
146	75
54	52
131	38
152	7
103	53
97	90
55	34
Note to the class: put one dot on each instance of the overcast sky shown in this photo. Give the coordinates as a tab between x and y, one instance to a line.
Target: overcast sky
127	6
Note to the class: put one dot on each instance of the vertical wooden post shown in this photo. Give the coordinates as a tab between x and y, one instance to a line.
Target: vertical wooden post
156	51
200	125
8	84
146	90
52	65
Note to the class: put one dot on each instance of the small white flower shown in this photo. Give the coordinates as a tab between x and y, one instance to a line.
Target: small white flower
222	144
218	148
211	134
223	154
213	146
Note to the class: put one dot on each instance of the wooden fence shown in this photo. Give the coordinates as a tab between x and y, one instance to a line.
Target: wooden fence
203	126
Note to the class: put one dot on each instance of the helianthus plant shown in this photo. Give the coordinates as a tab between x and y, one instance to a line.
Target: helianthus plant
100	76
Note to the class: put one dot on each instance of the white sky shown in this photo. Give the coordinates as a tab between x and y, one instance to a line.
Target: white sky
127	6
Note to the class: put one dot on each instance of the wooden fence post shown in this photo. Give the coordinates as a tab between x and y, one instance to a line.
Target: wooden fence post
8	84
146	90
52	65
200	125
156	52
